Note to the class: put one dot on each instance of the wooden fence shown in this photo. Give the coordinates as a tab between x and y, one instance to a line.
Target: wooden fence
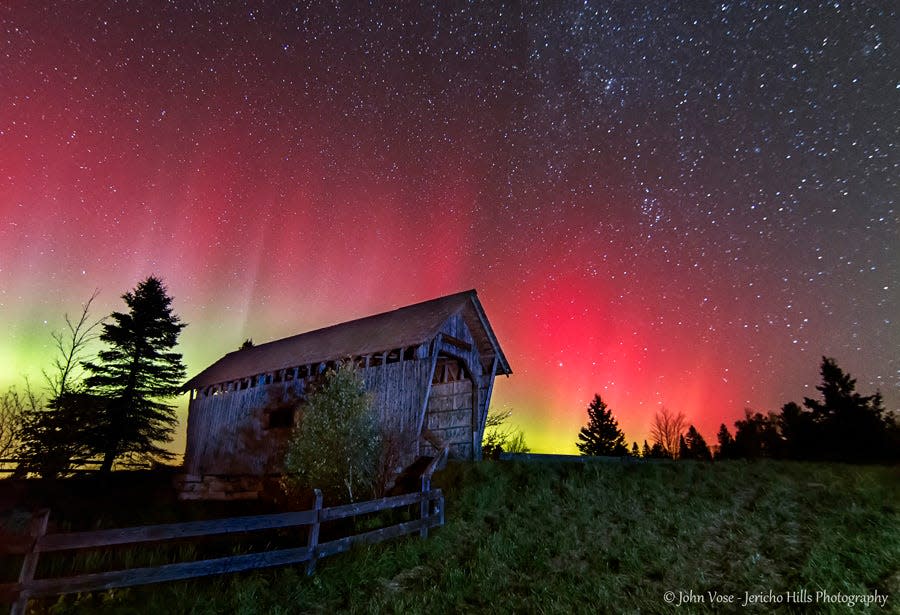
37	541
77	467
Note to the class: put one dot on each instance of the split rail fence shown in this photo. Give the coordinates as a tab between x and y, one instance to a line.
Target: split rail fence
37	541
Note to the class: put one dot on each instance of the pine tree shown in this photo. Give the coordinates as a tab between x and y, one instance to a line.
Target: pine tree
658	452
135	374
850	426
57	433
726	444
601	436
800	432
695	446
757	436
635	451
683	452
645	452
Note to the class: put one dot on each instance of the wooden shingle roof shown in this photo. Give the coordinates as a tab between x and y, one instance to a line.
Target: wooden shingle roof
407	326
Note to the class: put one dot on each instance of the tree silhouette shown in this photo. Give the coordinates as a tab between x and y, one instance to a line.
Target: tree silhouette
658	452
726	444
842	426
799	431
601	436
850	426
694	446
667	429
757	436
500	437
14	407
134	375
62	430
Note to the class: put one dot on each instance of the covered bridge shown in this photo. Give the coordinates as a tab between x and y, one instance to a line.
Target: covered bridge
430	368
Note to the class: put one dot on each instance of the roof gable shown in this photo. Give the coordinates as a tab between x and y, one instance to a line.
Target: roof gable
403	327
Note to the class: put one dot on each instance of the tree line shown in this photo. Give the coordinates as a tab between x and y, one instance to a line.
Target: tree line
843	425
103	408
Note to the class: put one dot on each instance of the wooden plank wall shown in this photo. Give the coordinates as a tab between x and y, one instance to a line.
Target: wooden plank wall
449	417
227	432
398	392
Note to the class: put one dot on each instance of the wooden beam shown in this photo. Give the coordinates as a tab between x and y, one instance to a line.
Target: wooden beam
313	542
172	531
37	529
436	345
490	391
363	508
167	572
455	341
386	533
487	402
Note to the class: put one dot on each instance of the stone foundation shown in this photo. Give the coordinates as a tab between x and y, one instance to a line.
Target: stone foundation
217	487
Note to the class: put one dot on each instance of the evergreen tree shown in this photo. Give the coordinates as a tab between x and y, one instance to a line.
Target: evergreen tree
726	444
135	374
645	452
850	426
658	452
757	436
601	436
695	446
800	432
635	451
57	434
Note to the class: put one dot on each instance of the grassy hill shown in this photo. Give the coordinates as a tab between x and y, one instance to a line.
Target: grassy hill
599	538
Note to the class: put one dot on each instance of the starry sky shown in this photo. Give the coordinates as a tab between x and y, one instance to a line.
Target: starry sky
668	203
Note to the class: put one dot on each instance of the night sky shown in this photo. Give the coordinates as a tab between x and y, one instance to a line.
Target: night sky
682	204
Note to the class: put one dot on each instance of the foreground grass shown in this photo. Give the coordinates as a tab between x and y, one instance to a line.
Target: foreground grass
601	538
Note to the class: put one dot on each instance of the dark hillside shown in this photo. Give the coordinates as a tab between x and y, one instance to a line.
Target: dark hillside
596	537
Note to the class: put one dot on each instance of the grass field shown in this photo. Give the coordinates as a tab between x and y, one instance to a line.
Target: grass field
594	538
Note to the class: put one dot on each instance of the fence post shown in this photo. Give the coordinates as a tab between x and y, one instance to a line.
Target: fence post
423	505
313	542
37	528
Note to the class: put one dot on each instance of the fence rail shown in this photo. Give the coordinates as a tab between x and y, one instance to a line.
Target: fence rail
76	467
38	541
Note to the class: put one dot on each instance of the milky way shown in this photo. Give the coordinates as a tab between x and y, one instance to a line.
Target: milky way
667	204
